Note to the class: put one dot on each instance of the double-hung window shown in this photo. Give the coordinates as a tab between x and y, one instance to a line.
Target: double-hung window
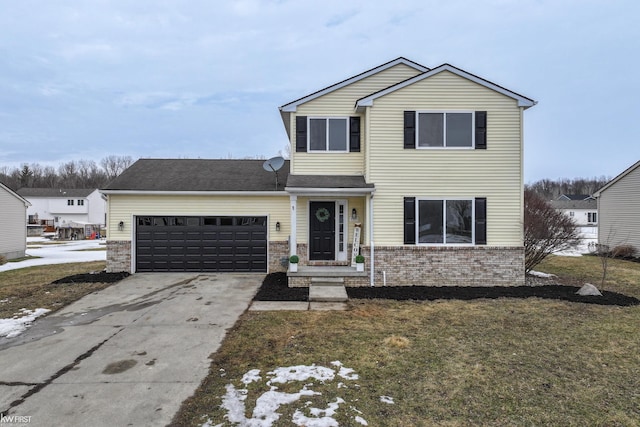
445	129
329	134
452	221
69	202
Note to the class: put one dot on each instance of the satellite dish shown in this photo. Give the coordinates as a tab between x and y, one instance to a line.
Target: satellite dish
273	165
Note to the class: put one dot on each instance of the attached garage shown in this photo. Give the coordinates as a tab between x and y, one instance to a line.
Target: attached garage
201	243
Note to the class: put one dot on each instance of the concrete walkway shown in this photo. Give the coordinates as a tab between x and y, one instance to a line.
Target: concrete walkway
128	355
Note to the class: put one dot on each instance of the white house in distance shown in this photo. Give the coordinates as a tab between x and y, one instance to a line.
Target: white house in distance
72	208
582	209
13	230
619	207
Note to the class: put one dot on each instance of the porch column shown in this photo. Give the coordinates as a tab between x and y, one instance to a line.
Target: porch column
293	241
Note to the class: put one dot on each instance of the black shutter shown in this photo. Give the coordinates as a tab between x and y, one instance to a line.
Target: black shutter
481	220
409	220
481	130
354	134
409	129
301	134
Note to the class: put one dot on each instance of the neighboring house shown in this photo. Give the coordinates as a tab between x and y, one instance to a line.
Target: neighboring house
619	209
13	225
584	212
423	166
66	209
575	197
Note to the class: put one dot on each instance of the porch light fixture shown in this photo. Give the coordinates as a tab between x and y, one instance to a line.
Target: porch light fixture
354	214
278	226
121	225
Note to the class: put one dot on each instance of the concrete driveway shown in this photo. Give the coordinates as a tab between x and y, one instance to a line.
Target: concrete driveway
128	355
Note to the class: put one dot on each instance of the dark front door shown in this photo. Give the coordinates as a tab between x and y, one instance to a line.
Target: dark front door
322	226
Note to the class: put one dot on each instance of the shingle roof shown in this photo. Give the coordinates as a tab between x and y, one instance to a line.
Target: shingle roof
199	175
55	192
327	181
574	204
574	197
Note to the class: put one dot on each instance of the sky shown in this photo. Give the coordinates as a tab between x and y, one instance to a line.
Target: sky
86	79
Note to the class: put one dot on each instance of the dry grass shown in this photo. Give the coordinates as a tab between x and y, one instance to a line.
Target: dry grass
453	363
31	287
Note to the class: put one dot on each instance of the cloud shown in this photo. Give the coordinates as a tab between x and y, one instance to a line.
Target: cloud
337	20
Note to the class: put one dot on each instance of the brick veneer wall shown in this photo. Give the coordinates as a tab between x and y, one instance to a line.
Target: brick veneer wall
448	266
278	256
118	256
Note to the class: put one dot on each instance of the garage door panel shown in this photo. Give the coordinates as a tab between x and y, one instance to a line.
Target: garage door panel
201	244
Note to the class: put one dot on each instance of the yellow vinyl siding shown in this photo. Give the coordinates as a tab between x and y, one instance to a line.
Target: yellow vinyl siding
495	173
341	103
123	207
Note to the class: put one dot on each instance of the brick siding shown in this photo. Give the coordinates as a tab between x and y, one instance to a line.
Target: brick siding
118	256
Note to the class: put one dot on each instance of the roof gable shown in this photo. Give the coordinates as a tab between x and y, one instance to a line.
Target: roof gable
14	194
523	101
292	106
192	175
618	178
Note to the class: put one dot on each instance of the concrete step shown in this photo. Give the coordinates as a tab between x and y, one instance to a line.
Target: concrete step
327	292
327	281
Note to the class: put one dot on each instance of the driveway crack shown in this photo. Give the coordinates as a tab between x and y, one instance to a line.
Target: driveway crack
39	386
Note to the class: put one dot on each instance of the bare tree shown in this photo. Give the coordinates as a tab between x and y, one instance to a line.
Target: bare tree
115	165
546	230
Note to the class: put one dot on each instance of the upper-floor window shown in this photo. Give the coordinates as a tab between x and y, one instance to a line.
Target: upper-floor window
445	129
80	202
328	134
592	217
69	202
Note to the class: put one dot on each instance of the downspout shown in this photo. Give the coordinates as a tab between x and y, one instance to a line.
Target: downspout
371	262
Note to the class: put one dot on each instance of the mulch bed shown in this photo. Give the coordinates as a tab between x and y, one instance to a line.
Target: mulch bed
274	288
98	277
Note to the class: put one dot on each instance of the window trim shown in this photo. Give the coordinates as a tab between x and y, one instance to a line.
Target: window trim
326	119
444	129
444	201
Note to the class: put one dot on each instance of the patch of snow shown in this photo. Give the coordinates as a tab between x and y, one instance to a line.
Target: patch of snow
19	323
361	420
387	399
63	253
251	376
541	274
265	412
301	373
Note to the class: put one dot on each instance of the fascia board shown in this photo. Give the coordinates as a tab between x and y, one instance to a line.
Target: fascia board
522	100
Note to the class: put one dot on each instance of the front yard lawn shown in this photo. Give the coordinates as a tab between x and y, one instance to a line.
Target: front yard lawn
500	361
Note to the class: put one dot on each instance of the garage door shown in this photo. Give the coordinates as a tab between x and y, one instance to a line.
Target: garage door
201	243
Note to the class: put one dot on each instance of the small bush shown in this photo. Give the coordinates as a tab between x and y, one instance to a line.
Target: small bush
359	259
623	251
3	260
294	259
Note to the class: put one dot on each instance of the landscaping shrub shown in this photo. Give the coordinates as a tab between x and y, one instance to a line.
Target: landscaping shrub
623	251
3	260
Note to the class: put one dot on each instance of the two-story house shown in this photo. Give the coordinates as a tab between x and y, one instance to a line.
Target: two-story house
65	208
420	169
